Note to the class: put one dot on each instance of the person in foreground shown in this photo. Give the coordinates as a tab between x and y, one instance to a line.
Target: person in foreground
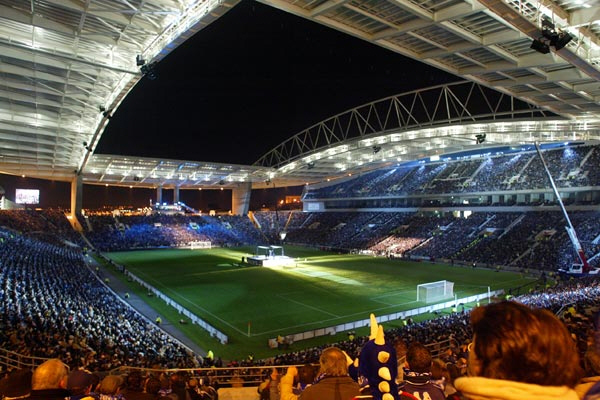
519	353
332	382
49	381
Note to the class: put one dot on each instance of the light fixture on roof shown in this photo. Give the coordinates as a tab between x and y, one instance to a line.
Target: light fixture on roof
376	149
106	113
557	38
480	138
551	37
540	46
148	69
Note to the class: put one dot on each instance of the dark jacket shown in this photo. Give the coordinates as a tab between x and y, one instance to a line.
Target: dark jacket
49	394
420	386
331	388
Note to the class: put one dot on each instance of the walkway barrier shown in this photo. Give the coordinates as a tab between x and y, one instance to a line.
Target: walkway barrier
348	326
182	310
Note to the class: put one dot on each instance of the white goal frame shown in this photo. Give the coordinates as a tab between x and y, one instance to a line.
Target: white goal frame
446	292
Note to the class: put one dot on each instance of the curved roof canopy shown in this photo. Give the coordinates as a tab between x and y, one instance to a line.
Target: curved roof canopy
65	65
62	60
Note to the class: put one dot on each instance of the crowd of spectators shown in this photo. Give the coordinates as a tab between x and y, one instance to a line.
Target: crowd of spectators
572	166
522	240
113	233
52	305
50	225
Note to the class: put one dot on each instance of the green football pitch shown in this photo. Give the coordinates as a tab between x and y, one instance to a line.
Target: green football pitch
252	304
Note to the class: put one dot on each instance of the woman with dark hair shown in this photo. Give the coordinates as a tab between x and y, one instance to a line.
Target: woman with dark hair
520	353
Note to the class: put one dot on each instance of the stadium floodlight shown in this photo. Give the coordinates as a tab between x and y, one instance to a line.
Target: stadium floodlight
149	70
139	60
106	113
551	37
540	46
563	39
548	29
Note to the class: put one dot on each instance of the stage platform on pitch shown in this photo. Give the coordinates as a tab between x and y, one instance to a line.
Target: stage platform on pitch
271	261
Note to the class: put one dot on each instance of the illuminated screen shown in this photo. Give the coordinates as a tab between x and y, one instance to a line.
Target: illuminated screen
27	196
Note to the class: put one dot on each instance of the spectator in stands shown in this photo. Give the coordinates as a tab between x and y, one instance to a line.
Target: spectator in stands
417	375
332	382
133	388
274	384
207	391
439	373
151	389
178	384
16	385
110	388
236	380
80	383
519	352
264	387
193	389
401	349
49	381
299	379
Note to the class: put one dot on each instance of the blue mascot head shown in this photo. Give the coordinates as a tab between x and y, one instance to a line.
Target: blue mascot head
378	365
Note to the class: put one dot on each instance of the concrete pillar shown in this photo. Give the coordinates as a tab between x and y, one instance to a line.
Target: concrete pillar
76	195
176	195
240	198
159	195
76	201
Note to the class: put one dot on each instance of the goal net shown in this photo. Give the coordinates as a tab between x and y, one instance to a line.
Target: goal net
435	291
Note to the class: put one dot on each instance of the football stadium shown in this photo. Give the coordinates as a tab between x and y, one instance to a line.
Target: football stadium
439	243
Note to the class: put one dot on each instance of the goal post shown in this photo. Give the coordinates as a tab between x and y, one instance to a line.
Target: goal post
431	292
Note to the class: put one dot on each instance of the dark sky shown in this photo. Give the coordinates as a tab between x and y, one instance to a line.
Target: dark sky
250	80
235	90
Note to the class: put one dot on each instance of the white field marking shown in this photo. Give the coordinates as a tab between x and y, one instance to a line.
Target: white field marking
307	306
221	271
327	276
194	304
391	304
377	299
390	294
363	314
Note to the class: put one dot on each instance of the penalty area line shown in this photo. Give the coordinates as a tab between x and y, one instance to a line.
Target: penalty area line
307	306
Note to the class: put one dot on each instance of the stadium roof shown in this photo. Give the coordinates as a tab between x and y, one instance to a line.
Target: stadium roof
62	60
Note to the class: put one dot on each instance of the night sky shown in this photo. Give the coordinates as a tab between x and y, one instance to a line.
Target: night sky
250	80
238	88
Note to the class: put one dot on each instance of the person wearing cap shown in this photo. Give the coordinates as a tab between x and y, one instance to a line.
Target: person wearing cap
17	385
110	388
80	383
49	381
